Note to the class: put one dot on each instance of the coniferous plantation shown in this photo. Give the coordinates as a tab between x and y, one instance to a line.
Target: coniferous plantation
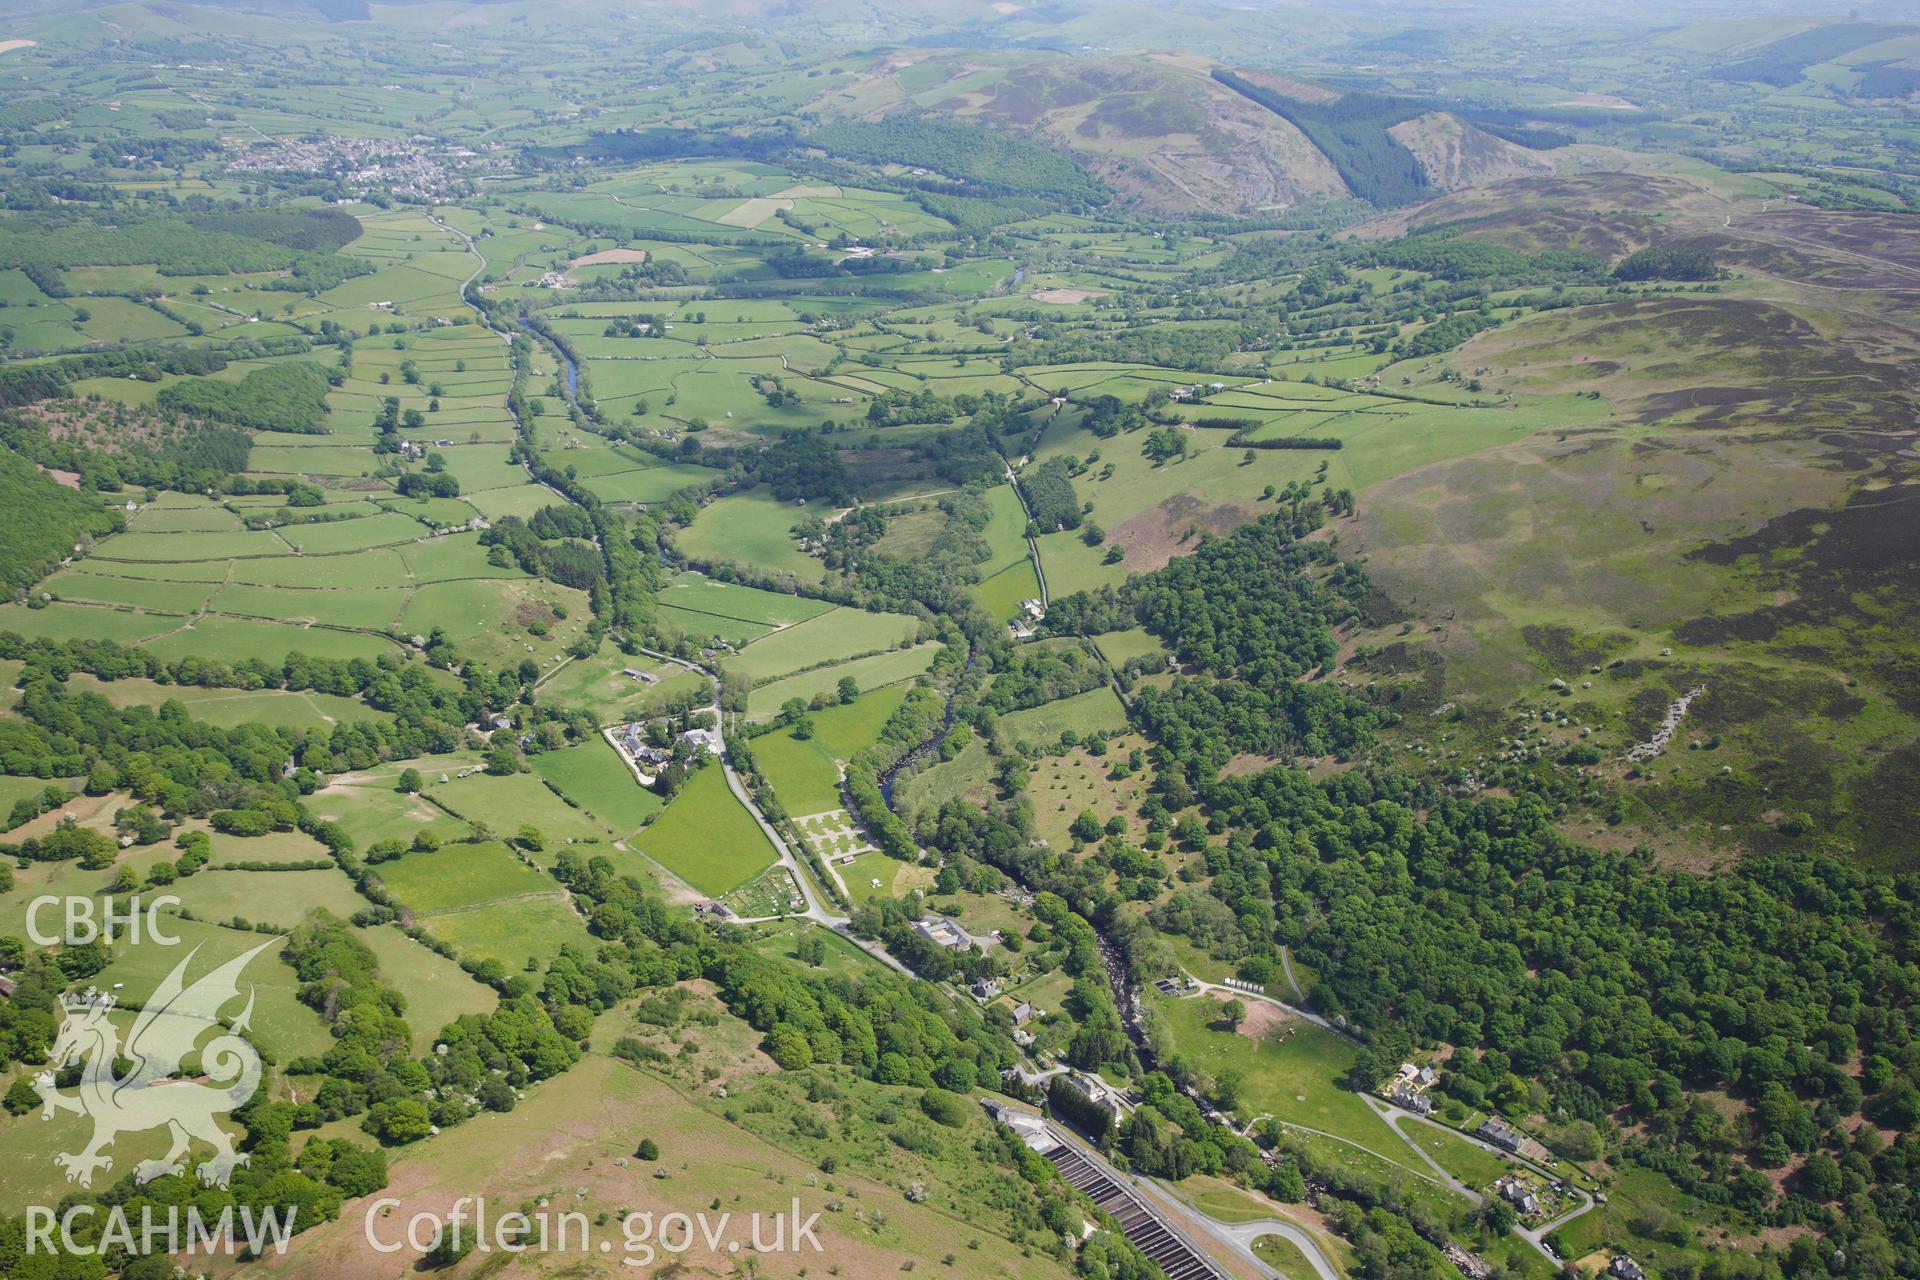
1047	641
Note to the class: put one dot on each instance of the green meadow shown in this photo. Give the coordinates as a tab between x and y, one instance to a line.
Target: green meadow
705	837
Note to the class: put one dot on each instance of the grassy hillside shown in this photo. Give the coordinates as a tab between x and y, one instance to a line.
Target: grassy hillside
1156	129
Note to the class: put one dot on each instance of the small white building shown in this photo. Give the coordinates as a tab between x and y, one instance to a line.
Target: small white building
707	740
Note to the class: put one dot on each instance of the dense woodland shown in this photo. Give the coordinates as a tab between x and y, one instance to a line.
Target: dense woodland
218	244
283	397
986	162
1602	990
44	521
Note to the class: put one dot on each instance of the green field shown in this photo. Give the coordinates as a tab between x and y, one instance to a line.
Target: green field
513	932
1471	1163
1095	711
805	773
462	875
700	594
1283	1256
832	636
1291	1072
437	990
1117	647
870	673
896	878
284	1025
230	707
600	686
507	804
842	958
277	898
593	776
371	809
751	529
706	838
970	772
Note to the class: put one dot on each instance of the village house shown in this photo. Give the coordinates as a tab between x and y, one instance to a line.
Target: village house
944	933
1520	1197
1030	1129
1096	1091
1501	1134
984	988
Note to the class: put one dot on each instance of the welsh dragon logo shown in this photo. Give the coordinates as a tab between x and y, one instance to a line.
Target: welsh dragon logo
151	1094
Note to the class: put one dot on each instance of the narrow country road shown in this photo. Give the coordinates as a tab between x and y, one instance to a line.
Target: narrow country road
1239	993
1240	1237
1536	1235
1234	1237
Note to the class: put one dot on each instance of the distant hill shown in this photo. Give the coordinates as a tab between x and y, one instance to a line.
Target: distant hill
1157	130
1785	61
1393	149
1177	133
